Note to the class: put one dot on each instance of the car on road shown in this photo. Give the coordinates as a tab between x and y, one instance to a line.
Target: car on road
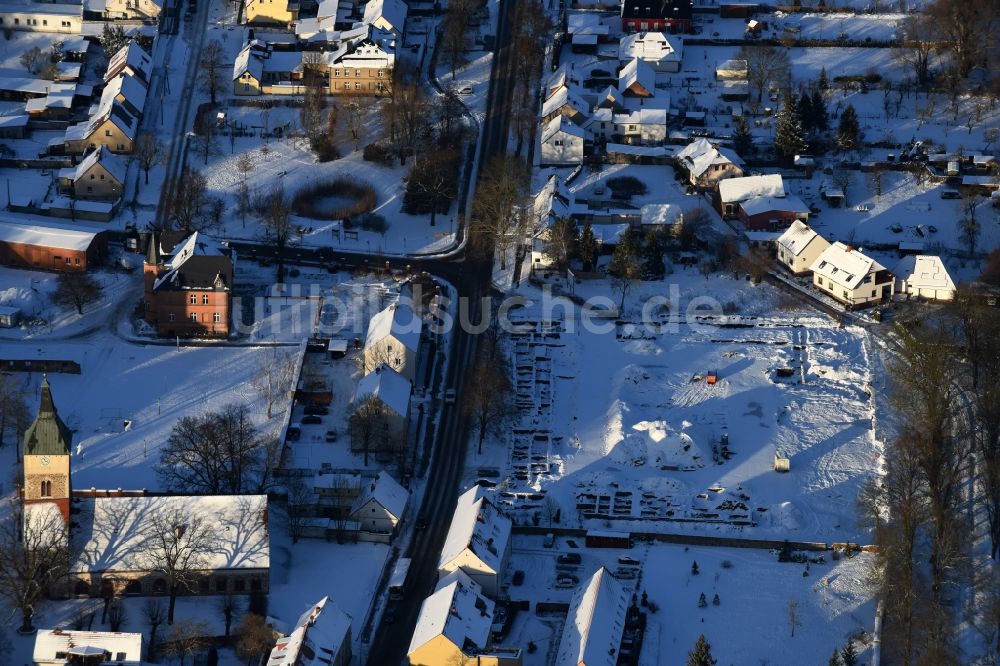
449	397
317	410
464	90
312	419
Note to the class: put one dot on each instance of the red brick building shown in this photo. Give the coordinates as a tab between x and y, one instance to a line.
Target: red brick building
671	16
772	213
188	287
50	248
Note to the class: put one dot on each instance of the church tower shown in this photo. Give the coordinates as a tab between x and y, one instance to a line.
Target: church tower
47	445
152	268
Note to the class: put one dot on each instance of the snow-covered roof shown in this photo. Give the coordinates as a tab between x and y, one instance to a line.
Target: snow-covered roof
54	236
637	71
844	265
113	531
701	154
133	57
924	272
327	9
387	492
561	98
376	52
477	526
758	205
608	234
111	163
586	24
596	620
16	81
16	120
732	190
248	60
42	8
650	47
561	124
320	629
399	321
390	13
797	237
196	261
456	610
392	388
732	66
124	648
552	201
643	116
131	89
659	214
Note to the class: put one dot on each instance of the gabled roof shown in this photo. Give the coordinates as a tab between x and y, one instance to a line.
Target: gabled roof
701	154
392	388
321	628
639	72
50	642
758	205
924	272
593	631
111	163
133	57
49	235
391	12
456	610
197	262
732	190
249	60
477	526
844	265
797	237
47	435
562	124
399	321
561	98
649	46
384	490
552	201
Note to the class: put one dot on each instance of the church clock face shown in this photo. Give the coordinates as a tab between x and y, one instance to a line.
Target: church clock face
46	460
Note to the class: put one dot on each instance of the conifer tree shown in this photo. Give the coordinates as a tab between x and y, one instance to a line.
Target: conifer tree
789	137
820	120
701	655
834	658
742	139
849	131
823	84
587	248
806	113
848	655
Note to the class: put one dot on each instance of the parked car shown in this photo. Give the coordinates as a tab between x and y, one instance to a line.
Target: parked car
951	194
311	419
464	90
449	397
331	436
569	558
317	410
628	561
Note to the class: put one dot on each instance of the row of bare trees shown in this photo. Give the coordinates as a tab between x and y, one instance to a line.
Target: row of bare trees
942	471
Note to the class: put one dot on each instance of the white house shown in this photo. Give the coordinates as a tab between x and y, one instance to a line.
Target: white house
924	276
394	340
644	126
706	163
321	637
663	54
799	247
389	15
478	541
58	647
592	635
380	506
562	142
637	79
42	17
851	277
563	101
130	59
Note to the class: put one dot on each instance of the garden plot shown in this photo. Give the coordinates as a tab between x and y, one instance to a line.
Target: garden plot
638	438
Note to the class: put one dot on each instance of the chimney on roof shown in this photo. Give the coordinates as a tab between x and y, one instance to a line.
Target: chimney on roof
848	248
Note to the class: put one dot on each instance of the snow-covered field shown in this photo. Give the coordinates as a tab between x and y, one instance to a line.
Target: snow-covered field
621	429
749	626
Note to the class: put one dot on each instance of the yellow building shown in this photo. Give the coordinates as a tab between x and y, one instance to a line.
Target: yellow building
100	176
454	628
279	12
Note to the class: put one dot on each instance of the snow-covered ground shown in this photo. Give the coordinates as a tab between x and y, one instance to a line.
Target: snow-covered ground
749	626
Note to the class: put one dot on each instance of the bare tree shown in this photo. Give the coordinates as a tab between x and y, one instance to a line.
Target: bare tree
188	199
33	557
488	398
969	28
625	266
76	289
920	36
185	639
218	452
455	41
766	65
273	379
277	216
14	413
301	498
255	638
117	615
500	207
178	544
148	152
229	606
560	241
355	123
210	68
153	611
370	426
34	59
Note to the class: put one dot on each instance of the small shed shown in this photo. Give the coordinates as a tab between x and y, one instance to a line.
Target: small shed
781	463
337	348
9	316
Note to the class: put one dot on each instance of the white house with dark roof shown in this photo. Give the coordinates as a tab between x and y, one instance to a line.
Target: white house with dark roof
799	247
562	142
662	53
592	635
58	647
381	505
851	277
478	541
394	340
321	637
924	276
454	627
